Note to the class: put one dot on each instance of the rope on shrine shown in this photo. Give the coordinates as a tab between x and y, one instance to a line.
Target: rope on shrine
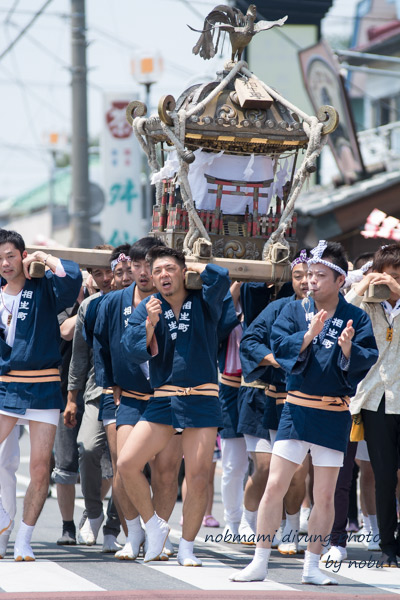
149	148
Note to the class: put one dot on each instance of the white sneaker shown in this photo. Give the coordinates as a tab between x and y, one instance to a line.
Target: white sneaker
335	553
89	531
374	546
361	536
110	544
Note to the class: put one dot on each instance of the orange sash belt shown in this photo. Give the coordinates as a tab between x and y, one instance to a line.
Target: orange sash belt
271	391
335	403
136	395
39	376
231	380
206	389
257	383
107	391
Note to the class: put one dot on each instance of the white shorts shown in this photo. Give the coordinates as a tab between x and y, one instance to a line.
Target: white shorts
362	451
272	435
256	444
296	451
108	422
47	415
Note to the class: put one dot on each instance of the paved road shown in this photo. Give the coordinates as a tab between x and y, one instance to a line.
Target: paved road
78	572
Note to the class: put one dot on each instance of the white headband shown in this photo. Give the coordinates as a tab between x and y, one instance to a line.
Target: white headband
121	258
316	258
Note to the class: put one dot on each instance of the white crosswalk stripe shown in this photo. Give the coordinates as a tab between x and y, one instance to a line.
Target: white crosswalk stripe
42	576
214	575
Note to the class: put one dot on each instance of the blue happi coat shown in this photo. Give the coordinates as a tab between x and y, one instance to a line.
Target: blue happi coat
319	370
255	345
254	297
111	366
37	340
228	394
187	348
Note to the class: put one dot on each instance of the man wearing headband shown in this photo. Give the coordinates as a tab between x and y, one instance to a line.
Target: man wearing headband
378	395
326	346
120	263
258	363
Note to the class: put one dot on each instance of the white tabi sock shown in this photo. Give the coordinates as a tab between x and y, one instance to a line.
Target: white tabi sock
257	570
185	557
312	574
250	517
157	532
134	526
293	522
134	540
278	535
22	546
248	527
289	543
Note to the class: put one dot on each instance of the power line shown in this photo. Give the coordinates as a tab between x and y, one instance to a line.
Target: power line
10	12
134	47
25	29
43	48
42	100
193	9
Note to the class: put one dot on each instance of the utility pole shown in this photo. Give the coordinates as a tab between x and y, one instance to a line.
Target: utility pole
80	209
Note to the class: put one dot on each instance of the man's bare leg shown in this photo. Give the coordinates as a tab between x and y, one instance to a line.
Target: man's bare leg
253	492
145	441
292	503
164	477
320	524
164	481
42	440
198	449
7	424
323	512
269	517
128	509
135	535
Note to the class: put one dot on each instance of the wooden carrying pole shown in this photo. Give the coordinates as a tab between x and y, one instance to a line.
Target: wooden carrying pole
239	270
